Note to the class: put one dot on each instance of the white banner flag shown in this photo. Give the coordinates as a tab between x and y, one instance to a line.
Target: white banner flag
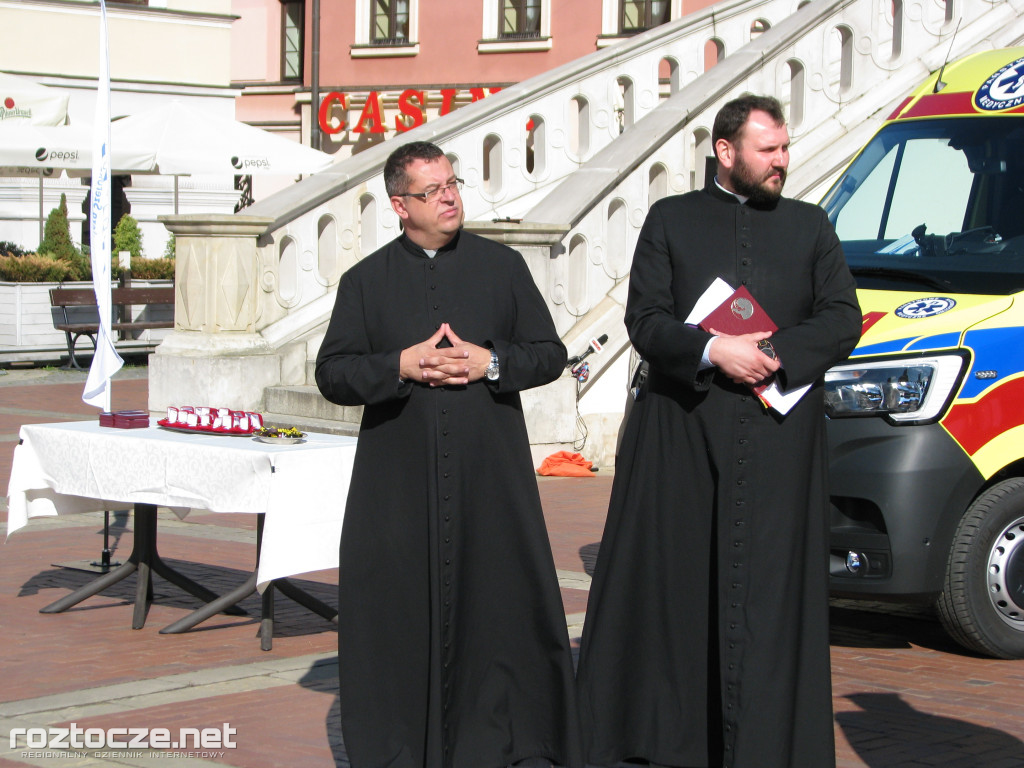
106	362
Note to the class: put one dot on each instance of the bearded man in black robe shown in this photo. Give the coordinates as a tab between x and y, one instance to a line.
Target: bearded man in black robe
452	642
706	639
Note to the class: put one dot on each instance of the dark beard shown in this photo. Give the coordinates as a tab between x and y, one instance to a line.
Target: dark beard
754	190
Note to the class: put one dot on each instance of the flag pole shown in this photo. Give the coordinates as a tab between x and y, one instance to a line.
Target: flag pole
41	217
105	362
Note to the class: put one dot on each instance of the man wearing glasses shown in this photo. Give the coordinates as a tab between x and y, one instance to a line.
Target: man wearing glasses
453	649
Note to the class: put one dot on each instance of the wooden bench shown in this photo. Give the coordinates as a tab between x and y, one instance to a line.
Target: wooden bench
78	314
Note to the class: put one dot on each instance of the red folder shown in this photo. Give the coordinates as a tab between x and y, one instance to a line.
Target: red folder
737	315
740	314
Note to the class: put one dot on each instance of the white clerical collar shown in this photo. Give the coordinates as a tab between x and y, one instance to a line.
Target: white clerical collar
430	254
741	198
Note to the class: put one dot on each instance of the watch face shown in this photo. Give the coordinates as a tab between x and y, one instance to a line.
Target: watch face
766	346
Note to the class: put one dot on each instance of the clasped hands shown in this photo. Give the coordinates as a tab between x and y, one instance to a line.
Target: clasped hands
459	364
739	358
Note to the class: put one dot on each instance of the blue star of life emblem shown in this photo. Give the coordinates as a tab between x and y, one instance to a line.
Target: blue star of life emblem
918	308
1003	90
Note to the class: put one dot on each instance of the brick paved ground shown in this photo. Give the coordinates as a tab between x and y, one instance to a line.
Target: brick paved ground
904	694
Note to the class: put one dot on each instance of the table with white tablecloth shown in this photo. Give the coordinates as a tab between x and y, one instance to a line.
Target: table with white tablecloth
298	490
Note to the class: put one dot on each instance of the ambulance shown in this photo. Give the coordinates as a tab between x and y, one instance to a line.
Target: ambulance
926	417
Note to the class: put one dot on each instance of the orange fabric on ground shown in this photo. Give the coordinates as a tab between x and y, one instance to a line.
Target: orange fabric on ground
565	464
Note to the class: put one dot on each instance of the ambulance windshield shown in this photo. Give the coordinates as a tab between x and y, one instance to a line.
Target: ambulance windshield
938	204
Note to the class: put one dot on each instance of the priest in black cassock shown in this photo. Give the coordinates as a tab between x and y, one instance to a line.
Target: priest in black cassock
452	642
706	639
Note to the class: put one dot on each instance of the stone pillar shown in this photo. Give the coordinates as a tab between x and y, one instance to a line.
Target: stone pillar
216	355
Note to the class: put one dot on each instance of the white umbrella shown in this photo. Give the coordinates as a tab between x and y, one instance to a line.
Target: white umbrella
46	150
23	102
28	150
186	141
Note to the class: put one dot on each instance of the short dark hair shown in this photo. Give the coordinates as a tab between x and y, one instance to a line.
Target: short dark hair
733	116
396	182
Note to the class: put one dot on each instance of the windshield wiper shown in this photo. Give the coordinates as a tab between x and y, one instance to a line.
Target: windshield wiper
905	275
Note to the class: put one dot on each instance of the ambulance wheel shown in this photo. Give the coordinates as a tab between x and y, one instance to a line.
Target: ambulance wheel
982	605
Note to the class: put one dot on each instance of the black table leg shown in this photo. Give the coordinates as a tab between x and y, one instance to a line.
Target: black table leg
94	587
146	560
222	604
306	600
238	594
267	619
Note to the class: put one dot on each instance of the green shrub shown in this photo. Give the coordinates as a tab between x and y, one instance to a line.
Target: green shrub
8	248
169	250
57	243
44	268
57	233
147	269
128	237
36	268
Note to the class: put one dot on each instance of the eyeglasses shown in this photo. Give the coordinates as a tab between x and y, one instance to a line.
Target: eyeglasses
433	194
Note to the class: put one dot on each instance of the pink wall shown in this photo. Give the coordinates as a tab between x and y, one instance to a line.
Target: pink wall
255	41
448	58
448	48
266	110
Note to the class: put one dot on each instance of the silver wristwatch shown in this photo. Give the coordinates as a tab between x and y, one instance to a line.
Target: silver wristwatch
492	369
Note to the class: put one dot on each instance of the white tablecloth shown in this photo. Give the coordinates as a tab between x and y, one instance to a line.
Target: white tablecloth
81	466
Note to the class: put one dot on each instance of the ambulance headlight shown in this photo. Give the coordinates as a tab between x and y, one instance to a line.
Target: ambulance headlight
905	390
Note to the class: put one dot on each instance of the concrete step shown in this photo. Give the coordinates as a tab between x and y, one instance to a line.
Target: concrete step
309	424
304	406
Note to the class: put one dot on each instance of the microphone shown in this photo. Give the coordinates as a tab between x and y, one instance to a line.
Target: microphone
596	345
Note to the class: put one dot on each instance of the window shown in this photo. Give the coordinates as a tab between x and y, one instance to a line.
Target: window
515	25
520	19
923	179
935	202
389	23
622	18
291	40
638	15
386	28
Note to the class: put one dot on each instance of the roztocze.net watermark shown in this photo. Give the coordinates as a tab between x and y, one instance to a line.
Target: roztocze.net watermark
76	737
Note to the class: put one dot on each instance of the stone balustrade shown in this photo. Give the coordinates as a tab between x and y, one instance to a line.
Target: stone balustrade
565	165
837	67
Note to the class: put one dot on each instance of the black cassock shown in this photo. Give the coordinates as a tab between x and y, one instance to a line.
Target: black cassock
706	639
453	648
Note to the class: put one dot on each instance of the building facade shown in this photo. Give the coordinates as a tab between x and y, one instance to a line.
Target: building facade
339	76
159	50
366	71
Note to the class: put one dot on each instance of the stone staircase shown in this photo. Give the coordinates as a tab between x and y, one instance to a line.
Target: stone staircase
257	290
